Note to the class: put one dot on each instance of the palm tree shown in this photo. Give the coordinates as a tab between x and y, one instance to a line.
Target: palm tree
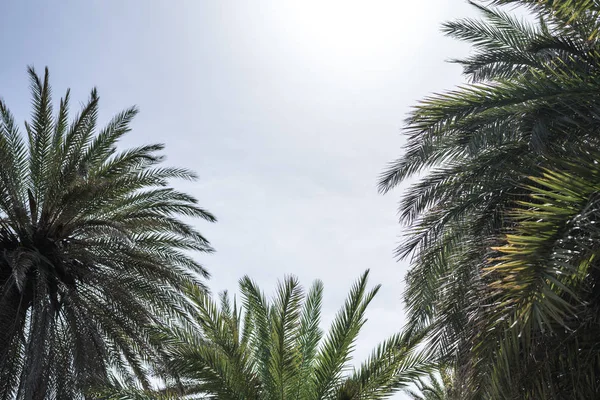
532	100
276	349
92	249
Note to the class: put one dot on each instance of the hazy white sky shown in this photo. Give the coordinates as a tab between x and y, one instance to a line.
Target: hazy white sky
288	110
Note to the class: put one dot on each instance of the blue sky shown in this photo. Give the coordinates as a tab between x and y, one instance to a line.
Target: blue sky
288	110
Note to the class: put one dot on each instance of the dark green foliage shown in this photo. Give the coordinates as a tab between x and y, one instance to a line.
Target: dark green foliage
509	164
92	249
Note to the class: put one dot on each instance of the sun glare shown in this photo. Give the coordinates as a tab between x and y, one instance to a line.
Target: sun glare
347	32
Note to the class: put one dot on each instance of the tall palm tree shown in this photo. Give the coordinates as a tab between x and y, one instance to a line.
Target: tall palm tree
533	98
276	350
92	249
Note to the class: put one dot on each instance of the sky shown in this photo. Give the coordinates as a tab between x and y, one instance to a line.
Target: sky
288	111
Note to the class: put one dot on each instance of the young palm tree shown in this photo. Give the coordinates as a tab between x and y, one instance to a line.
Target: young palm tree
533	99
276	350
92	249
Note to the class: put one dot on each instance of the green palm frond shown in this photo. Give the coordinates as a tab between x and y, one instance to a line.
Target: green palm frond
568	11
394	364
309	338
285	357
337	347
503	44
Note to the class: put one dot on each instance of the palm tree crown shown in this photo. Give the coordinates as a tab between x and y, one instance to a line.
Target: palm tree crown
92	249
276	349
